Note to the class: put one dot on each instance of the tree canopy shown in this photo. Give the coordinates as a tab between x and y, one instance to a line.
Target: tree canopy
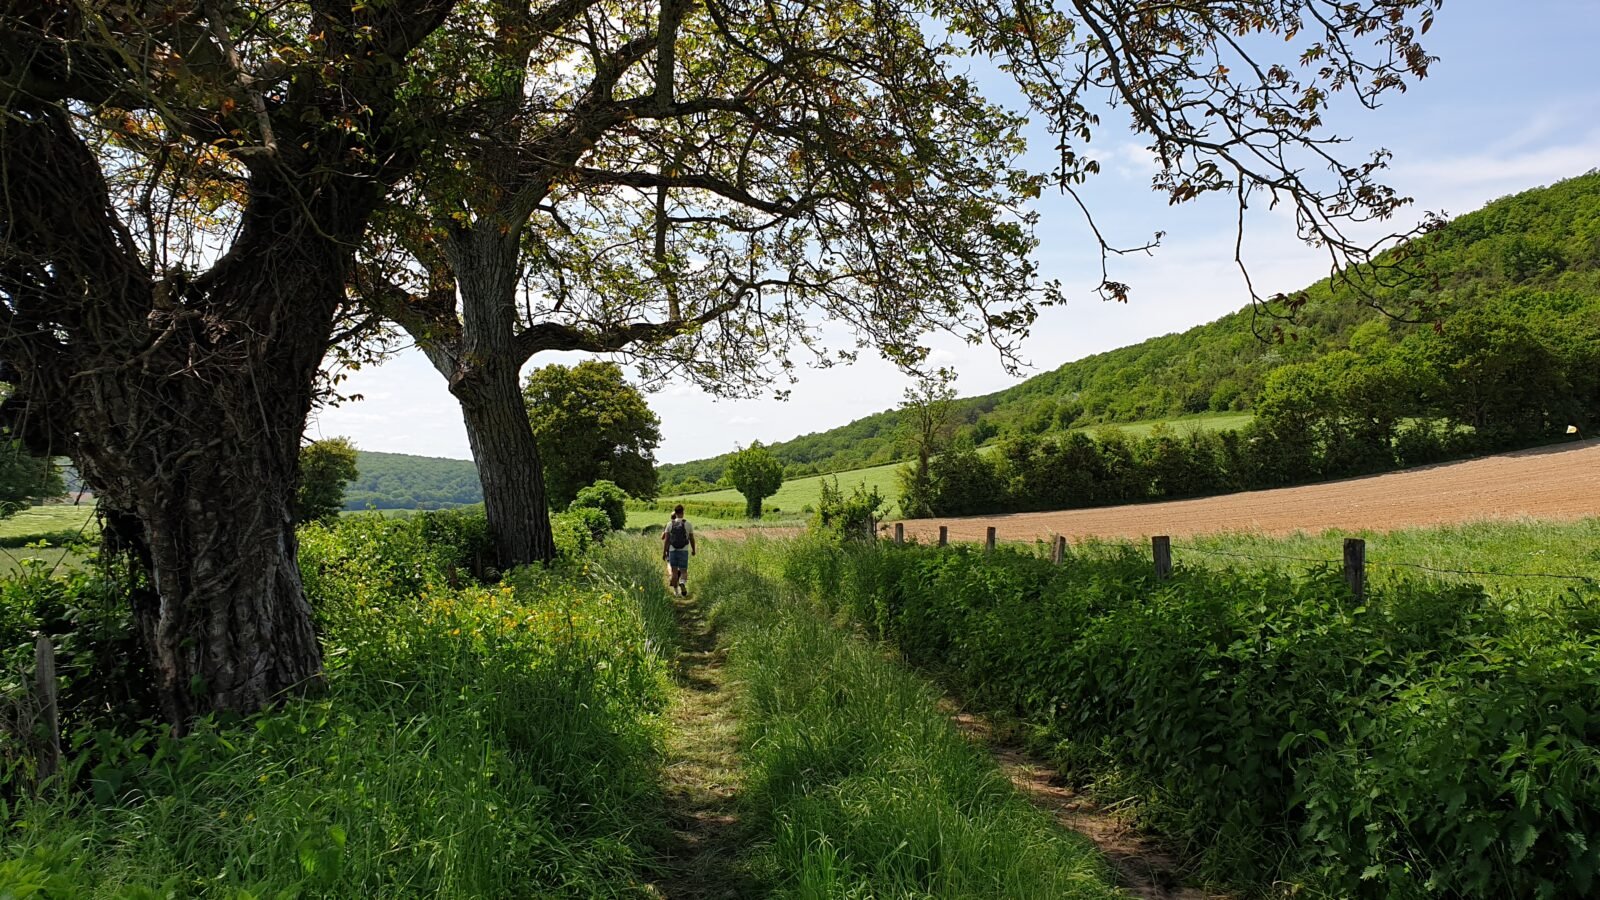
591	425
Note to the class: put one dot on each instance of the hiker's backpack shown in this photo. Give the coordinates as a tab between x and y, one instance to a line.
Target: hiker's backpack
678	534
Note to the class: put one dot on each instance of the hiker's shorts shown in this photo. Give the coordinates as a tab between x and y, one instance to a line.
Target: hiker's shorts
678	559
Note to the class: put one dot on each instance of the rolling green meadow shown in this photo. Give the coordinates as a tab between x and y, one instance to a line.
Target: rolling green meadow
799	493
36	523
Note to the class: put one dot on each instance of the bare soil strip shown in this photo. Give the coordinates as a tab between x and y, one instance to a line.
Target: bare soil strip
702	774
1560	482
1142	867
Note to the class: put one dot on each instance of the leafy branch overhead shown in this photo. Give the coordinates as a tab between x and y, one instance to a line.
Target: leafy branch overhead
701	185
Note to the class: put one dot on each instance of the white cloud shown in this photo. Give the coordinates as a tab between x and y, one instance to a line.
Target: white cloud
1465	182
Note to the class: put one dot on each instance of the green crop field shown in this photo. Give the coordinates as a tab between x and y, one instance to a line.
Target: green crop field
1512	558
45	520
1208	422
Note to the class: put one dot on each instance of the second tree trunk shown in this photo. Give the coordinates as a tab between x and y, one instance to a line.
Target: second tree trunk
507	456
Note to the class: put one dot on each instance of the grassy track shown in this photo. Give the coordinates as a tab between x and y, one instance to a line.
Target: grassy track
857	782
700	856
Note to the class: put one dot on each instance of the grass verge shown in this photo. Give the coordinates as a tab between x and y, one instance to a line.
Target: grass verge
475	741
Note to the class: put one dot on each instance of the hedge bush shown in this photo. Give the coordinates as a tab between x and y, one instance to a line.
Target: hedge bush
1428	742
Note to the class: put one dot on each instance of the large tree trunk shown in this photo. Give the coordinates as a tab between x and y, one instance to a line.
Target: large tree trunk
503	447
224	619
200	447
183	403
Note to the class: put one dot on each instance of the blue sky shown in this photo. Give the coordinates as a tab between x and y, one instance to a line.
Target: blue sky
1511	104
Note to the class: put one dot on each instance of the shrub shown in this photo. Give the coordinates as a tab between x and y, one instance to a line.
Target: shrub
574	532
847	519
102	678
597	521
606	497
965	483
1421	442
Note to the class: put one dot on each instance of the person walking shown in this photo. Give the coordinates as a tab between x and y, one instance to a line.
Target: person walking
677	545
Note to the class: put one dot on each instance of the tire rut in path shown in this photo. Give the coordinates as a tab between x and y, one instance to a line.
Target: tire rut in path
701	859
1142	867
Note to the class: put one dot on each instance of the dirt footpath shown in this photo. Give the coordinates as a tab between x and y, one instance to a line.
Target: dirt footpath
1557	482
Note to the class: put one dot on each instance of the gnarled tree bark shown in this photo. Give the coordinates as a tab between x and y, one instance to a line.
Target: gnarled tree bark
182	397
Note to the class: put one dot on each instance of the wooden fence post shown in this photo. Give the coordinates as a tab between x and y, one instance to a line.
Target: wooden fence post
944	535
899	533
988	541
1161	546
44	657
1058	554
1355	567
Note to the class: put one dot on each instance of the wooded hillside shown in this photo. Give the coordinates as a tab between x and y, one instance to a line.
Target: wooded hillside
402	481
1533	255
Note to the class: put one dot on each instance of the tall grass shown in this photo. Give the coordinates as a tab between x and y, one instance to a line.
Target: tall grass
475	741
859	784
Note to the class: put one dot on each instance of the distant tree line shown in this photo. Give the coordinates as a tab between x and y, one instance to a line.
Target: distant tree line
1495	379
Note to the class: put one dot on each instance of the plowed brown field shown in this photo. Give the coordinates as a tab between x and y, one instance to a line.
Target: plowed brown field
1559	482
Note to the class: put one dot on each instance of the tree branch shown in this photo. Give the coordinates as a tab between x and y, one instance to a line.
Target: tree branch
558	336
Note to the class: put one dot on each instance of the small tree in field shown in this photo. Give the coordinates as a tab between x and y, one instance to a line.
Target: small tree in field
925	426
325	468
756	474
